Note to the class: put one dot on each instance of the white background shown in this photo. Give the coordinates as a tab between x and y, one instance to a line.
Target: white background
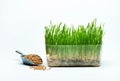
22	28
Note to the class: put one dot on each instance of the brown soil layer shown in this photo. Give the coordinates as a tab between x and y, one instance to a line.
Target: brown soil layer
54	61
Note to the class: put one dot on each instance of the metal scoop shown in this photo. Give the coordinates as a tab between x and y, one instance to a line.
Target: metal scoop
25	60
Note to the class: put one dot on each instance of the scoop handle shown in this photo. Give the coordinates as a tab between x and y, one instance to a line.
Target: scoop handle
19	53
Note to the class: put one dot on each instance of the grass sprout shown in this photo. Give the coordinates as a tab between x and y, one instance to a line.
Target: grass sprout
79	43
61	34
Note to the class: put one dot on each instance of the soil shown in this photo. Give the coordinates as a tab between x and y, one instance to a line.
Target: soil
55	61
